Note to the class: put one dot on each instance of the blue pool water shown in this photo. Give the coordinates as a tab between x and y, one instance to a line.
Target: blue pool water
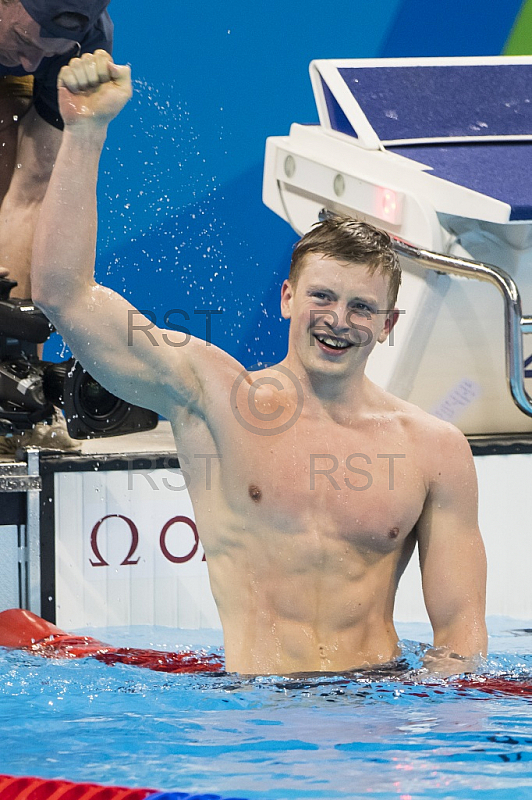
267	738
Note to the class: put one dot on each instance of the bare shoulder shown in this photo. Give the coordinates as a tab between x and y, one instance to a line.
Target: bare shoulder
441	447
442	437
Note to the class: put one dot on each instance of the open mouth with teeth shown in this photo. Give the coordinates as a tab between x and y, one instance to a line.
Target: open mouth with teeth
332	344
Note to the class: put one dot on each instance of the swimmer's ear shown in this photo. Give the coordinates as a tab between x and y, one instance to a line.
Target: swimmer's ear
389	325
287	294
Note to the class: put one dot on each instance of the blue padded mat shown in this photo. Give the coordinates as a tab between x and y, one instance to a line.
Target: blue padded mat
443	101
498	169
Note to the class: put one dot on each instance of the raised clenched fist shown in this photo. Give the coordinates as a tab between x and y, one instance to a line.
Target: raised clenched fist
92	89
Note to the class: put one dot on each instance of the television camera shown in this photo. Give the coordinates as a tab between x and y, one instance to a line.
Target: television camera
30	387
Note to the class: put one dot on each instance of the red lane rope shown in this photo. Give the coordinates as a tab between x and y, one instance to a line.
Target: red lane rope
23	629
514	686
67	646
494	686
40	789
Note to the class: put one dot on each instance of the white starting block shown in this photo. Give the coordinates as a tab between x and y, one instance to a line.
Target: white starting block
438	152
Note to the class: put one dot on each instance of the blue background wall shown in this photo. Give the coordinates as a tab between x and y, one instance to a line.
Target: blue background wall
182	224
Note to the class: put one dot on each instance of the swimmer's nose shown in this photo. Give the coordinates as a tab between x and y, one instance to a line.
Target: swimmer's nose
337	327
342	326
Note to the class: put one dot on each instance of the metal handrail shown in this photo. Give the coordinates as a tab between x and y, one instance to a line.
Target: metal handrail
515	324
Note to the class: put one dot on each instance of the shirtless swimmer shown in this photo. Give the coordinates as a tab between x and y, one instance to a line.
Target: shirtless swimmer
304	549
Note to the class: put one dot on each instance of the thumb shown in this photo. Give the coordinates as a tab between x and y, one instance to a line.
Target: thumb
120	74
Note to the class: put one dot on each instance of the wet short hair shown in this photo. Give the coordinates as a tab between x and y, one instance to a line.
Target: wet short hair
353	241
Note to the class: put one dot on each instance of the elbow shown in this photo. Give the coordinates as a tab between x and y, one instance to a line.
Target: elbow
55	307
43	299
41	286
52	295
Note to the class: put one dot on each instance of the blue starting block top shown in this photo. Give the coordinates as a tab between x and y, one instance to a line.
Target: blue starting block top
444	101
471	123
502	170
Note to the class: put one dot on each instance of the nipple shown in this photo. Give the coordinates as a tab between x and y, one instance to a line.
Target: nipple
394	533
255	493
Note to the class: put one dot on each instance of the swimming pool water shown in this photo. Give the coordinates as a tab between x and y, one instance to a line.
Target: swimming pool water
271	738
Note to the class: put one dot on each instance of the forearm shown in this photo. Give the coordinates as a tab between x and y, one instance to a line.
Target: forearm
458	647
467	636
64	244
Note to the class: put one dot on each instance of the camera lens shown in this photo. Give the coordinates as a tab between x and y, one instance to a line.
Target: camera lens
95	409
96	401
90	410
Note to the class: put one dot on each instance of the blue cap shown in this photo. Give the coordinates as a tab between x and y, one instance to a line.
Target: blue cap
45	11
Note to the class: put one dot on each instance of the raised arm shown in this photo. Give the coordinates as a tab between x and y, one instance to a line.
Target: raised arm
452	558
101	327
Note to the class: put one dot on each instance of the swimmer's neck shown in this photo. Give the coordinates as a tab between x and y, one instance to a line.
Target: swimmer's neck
331	392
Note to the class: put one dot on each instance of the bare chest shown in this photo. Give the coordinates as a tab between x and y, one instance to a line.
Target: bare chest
366	489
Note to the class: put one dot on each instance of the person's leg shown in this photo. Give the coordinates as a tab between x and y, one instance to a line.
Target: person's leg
15	100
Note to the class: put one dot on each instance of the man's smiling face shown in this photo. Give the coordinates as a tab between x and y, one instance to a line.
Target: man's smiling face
21	43
337	313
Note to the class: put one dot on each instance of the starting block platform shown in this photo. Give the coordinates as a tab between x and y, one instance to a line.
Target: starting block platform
438	152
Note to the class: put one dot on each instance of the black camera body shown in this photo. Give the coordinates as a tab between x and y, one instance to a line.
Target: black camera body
30	388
